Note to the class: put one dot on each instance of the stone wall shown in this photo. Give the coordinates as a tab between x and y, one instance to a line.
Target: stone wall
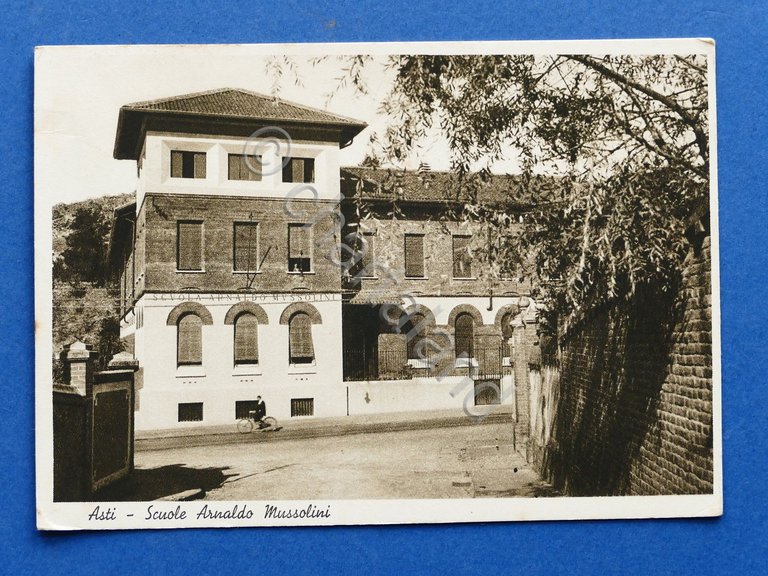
629	411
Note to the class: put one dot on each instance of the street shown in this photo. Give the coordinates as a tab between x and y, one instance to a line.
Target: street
477	460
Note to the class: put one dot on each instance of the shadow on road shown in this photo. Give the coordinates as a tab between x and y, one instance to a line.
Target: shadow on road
147	484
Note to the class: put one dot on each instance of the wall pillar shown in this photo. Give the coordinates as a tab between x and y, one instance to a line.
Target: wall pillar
79	368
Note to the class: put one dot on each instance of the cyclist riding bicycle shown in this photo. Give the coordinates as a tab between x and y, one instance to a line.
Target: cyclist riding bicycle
261	409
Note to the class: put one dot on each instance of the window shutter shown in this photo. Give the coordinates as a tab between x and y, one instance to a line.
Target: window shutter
190	340
199	164
300	335
309	170
464	335
189	246
234	167
177	162
246	243
244	167
297	170
246	339
414	255
462	261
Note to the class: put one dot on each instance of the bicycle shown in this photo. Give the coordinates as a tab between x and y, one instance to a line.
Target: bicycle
246	425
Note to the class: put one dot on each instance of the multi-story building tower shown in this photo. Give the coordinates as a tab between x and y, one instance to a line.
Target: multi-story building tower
225	293
252	264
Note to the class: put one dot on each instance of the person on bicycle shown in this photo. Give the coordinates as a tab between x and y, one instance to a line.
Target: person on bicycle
261	409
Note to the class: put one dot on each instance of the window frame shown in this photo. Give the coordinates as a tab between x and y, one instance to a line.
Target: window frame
188	160
308	360
189	405
309	229
288	170
179	224
468	238
470	351
420	235
247	362
199	336
244	165
257	227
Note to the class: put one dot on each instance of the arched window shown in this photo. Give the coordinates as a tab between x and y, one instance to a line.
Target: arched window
189	340
415	330
301	349
246	339
464	330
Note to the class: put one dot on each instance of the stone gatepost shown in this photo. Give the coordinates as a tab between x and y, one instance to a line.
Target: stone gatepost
123	361
79	366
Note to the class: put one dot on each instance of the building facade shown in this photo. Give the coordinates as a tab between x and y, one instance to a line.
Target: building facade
252	264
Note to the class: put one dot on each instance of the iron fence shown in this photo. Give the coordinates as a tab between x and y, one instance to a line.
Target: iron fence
485	363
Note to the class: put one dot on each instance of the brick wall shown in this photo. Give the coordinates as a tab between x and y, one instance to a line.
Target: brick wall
438	280
630	409
218	215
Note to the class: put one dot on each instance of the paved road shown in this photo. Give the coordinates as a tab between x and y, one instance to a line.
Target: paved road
476	460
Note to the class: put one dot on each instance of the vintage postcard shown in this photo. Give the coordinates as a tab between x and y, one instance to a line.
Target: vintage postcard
319	284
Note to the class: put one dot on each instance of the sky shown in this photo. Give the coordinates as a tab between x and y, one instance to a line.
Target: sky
79	91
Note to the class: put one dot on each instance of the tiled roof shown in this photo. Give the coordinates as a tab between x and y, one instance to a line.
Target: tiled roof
429	186
241	103
235	106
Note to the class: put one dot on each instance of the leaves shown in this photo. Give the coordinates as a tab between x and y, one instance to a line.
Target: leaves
625	138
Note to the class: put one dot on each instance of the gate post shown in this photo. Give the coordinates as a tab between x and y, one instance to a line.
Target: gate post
79	360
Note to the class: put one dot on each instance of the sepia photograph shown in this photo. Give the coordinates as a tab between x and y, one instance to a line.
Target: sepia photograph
330	284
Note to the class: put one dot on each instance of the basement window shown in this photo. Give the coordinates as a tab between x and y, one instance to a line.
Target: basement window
302	407
191	412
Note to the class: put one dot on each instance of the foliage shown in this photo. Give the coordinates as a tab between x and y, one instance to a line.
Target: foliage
85	307
625	136
85	256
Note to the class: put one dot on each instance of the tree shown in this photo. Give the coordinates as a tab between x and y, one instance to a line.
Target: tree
625	138
85	256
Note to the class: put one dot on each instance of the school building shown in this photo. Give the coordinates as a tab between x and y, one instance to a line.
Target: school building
252	263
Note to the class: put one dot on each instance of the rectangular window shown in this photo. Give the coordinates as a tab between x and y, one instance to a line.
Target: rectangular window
298	170
414	255
299	254
302	407
245	247
368	255
244	167
243	407
187	164
189	245
462	257
191	412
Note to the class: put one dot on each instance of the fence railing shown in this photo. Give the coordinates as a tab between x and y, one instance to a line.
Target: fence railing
484	363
